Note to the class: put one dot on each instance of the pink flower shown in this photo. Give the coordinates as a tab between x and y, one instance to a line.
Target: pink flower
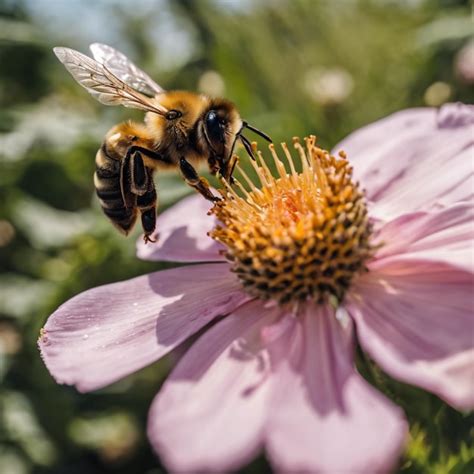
281	377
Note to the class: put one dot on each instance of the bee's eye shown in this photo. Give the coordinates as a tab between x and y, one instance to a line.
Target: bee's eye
215	127
173	114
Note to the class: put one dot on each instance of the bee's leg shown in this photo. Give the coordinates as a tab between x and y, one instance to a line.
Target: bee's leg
232	163
195	181
146	204
150	153
128	197
138	175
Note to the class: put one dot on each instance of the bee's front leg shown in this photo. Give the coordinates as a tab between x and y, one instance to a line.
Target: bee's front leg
234	159
213	165
195	181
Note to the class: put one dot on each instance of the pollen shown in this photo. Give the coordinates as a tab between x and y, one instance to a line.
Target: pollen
295	235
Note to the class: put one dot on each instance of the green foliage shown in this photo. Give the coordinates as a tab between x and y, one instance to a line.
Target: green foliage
293	68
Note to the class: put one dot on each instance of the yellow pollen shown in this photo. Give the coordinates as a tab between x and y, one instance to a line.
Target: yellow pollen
299	235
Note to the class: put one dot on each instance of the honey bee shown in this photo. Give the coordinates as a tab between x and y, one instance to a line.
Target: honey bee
180	129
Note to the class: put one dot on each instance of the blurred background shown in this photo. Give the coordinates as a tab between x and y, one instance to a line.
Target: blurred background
293	68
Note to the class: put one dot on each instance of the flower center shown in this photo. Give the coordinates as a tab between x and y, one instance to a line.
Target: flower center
299	235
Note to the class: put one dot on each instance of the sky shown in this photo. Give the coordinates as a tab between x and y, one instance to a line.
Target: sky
78	23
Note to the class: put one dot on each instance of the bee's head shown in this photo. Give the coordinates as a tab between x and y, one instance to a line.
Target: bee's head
222	127
216	129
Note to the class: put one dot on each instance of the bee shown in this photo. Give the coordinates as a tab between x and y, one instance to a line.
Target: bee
180	129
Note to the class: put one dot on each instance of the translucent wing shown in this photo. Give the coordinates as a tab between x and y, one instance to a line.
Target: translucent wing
117	63
102	84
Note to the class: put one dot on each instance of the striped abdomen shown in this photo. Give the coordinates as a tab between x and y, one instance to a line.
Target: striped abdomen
107	181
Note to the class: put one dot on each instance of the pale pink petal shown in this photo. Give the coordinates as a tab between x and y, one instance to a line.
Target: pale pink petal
415	160
443	179
182	234
416	320
210	413
324	417
108	332
440	236
455	114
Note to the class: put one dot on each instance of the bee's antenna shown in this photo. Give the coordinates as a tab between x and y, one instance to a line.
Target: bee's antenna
257	131
247	145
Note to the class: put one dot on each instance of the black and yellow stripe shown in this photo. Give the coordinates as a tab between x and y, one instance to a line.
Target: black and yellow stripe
107	181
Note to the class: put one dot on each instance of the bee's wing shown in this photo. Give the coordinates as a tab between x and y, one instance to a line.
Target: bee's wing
117	63
102	84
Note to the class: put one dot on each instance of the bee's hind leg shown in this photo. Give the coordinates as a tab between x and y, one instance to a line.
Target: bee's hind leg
195	181
146	204
143	189
140	178
149	224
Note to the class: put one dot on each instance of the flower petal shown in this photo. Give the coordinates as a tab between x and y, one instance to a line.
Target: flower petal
106	333
324	417
210	413
182	234
416	321
441	236
415	159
